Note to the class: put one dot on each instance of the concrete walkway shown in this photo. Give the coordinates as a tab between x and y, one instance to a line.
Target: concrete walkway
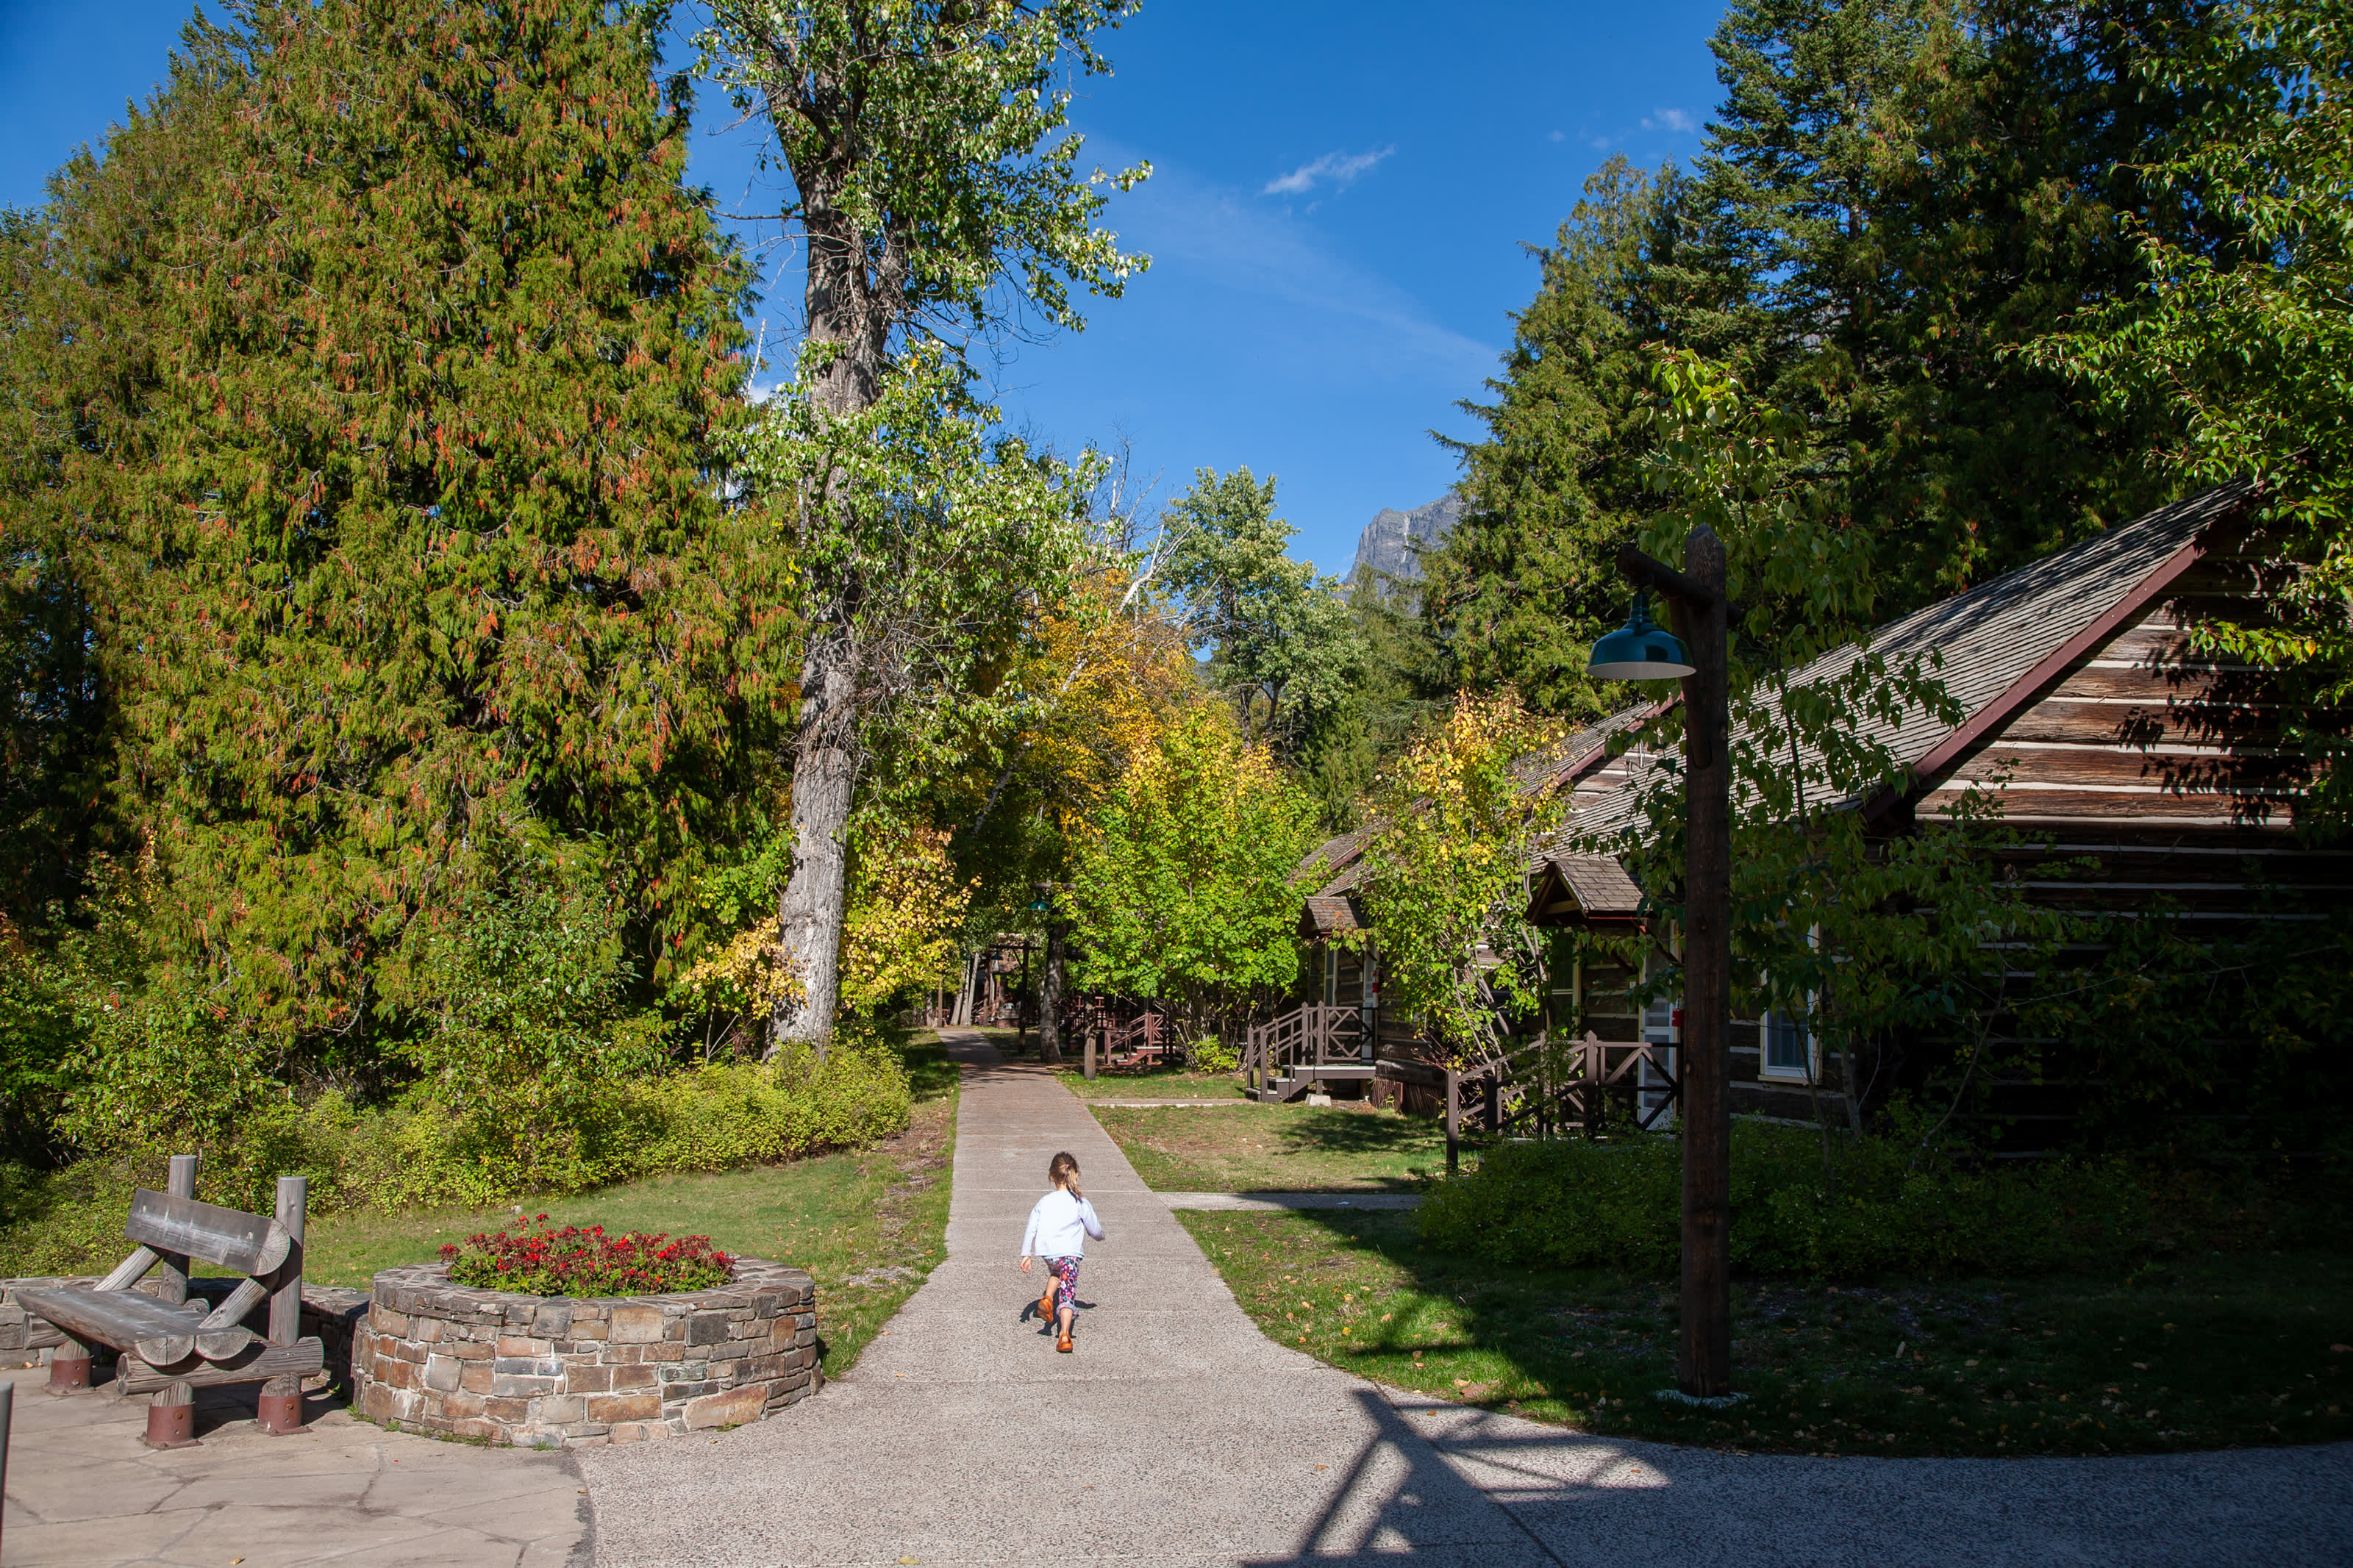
1179	1435
84	1493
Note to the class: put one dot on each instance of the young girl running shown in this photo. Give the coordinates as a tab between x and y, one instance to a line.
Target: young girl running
1059	1228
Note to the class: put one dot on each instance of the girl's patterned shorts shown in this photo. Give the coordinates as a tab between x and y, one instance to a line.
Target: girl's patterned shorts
1066	1281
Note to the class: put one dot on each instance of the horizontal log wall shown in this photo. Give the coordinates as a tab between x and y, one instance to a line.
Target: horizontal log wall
2153	779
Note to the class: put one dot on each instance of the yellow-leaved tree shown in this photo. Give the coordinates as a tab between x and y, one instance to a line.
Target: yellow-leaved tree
1444	875
906	908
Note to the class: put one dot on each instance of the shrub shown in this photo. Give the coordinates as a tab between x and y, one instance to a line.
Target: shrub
1618	1203
1210	1054
576	1262
717	1116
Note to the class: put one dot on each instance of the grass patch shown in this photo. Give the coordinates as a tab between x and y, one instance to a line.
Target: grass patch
1125	1083
1246	1148
1156	1083
2215	1351
867	1226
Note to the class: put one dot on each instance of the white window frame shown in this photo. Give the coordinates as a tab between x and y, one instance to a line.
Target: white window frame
1668	1032
1811	1071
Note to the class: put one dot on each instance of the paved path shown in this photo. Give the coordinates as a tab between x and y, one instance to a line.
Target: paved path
1178	1435
83	1492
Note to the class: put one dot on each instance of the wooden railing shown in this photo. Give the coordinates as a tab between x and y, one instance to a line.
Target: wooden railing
1313	1033
1582	1086
1138	1040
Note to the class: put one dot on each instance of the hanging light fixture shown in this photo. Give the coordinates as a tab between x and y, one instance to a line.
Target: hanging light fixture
1641	651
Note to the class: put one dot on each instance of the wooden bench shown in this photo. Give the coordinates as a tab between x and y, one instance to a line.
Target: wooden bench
167	1345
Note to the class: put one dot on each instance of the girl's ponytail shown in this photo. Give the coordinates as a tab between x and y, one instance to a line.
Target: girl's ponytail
1062	1171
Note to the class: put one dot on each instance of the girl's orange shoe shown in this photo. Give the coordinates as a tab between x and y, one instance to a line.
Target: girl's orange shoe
1046	1303
1064	1345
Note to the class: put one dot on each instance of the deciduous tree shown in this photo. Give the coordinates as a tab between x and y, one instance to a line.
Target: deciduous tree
1184	891
934	187
1444	882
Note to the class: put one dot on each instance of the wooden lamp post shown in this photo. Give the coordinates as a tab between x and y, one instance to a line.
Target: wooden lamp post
1644	651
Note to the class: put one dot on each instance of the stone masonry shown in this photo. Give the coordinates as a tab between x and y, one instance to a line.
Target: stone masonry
551	1372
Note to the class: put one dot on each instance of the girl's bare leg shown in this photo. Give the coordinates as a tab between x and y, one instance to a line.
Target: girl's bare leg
1064	1317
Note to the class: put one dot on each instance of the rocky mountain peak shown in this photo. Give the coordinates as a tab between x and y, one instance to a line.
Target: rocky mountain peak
1390	542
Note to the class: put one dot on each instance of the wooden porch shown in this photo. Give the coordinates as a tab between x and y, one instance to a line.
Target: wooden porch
1315	1043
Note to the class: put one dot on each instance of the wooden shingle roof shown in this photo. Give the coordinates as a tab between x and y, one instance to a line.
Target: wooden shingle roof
1998	646
1582	888
1325	918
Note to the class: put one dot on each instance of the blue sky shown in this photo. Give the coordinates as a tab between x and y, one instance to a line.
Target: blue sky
1341	194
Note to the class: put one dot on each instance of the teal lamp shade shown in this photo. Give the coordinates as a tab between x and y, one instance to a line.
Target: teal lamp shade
1639	650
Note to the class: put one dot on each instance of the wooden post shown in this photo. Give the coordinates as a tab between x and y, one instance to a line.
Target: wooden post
1091	1049
8	1415
1704	1364
279	1409
1594	1061
1453	1122
172	1409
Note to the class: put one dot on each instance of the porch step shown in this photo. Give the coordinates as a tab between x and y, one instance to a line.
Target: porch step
1305	1076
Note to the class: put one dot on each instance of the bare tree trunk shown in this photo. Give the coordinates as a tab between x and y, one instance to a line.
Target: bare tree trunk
1049	993
811	912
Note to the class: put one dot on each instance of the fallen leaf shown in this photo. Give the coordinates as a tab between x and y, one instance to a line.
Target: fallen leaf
2140	1366
2341	1350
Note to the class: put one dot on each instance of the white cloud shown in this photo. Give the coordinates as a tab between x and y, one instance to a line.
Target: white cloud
1557	136
1670	119
1193	226
1340	168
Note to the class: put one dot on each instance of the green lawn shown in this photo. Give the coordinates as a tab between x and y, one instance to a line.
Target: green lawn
2247	1348
867	1226
1248	1147
1151	1083
1159	1083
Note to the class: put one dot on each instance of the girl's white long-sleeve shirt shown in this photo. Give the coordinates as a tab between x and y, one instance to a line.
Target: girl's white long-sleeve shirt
1059	1225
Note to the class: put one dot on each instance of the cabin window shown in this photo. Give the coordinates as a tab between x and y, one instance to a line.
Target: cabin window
1331	975
1787	1047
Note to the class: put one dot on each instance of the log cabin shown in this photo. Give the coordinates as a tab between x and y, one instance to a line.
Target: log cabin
2152	772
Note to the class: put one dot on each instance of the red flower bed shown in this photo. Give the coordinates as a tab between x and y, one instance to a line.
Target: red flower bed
576	1262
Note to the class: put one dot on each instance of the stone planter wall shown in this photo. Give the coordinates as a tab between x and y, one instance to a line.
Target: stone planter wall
559	1372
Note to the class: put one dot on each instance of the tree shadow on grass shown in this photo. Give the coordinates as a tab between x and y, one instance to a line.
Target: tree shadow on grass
1357	1133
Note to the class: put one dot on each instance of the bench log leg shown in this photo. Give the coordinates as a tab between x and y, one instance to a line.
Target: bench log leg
70	1367
172	1417
279	1409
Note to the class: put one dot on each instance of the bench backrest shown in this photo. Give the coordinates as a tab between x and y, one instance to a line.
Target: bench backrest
228	1238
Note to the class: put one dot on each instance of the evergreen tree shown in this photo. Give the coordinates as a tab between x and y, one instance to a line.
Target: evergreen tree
1517	592
390	452
1896	196
80	287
